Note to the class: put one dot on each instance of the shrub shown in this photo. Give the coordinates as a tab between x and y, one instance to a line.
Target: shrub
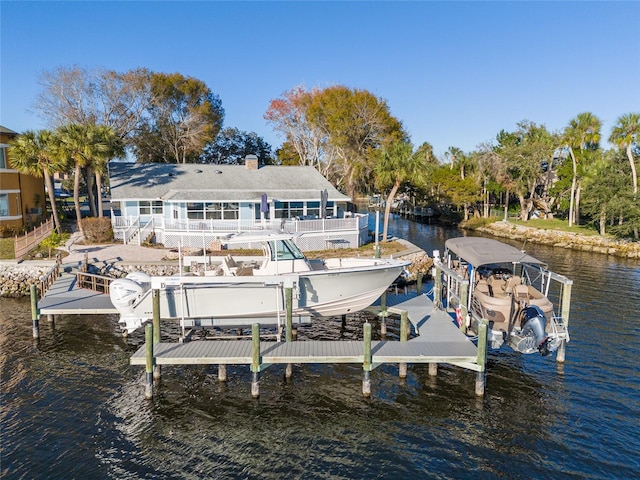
52	241
97	230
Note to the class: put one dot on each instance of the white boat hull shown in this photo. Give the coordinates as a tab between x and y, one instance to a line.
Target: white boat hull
229	301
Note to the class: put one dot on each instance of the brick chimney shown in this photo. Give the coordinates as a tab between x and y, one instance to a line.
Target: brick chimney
251	162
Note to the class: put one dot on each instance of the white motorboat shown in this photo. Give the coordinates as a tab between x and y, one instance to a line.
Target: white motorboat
241	293
510	289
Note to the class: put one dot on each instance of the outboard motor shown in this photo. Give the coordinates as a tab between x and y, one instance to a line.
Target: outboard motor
124	294
532	334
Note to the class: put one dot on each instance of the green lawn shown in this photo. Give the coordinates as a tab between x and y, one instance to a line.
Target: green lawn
6	249
555	224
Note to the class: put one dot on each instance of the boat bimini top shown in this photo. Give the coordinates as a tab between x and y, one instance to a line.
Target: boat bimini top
479	251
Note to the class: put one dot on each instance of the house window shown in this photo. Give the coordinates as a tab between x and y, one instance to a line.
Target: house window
296	209
3	157
230	211
4	205
213	211
313	208
153	207
195	211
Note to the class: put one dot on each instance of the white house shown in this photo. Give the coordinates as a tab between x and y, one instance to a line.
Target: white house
195	205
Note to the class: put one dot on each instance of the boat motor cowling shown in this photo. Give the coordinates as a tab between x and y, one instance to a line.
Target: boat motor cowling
532	336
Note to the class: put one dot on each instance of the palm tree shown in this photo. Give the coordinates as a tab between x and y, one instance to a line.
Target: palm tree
395	166
81	144
113	147
34	153
624	134
583	133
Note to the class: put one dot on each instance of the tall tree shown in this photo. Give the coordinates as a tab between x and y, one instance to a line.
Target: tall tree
356	124
524	152
582	134
289	116
183	116
81	144
396	165
231	146
34	153
625	134
108	146
338	130
78	95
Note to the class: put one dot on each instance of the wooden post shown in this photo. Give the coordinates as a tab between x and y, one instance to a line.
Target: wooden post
419	284
344	321
35	316
288	295
383	326
222	373
404	336
464	301
288	302
437	288
481	376
148	342
433	369
255	360
566	305
156	327
366	365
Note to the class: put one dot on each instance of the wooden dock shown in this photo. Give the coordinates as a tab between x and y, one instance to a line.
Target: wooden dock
65	297
438	340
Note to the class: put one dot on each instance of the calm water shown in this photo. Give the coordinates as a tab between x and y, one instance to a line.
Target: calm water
72	407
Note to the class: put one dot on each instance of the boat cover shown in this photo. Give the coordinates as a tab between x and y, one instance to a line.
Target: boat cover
482	251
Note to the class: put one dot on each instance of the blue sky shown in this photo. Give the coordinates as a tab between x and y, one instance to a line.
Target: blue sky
455	73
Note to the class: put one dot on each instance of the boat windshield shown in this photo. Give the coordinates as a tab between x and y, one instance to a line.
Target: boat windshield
286	250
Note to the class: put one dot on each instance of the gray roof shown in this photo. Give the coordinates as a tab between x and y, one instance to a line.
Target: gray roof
7	131
217	183
482	251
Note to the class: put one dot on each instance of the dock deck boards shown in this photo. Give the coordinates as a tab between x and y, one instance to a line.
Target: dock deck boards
64	298
440	341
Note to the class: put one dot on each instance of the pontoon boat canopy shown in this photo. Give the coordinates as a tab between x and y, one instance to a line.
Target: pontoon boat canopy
482	251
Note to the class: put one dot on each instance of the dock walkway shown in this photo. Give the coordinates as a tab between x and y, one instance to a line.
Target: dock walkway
439	341
64	297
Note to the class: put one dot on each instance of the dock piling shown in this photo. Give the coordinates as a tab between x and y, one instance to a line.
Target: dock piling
404	336
35	316
464	298
222	372
481	375
366	365
148	338
255	360
419	284
566	304
156	327
288	294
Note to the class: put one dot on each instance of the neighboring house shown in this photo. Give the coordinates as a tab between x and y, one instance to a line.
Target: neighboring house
195	205
22	197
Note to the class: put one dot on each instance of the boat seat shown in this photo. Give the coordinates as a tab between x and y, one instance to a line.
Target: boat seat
511	283
521	292
495	285
229	265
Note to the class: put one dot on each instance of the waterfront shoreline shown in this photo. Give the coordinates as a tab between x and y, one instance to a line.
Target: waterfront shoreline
561	239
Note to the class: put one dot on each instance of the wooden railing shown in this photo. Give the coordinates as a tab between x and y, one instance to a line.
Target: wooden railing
27	242
50	278
91	281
